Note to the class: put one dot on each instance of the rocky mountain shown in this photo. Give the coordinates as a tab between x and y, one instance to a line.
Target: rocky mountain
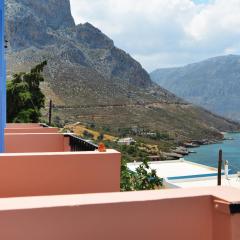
91	80
213	84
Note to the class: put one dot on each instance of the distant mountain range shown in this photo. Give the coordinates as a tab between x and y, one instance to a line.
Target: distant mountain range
91	80
213	84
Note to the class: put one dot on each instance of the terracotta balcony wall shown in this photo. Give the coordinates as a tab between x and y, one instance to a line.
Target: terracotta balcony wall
184	214
36	142
38	162
25	138
39	198
23	125
31	130
36	174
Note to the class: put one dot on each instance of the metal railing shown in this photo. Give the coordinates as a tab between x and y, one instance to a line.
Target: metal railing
79	145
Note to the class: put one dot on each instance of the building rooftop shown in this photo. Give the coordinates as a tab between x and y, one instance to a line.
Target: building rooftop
178	169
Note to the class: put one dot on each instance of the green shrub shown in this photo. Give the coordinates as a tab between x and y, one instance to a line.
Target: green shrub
143	179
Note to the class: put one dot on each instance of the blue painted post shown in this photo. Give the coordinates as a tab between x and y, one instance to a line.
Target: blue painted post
2	79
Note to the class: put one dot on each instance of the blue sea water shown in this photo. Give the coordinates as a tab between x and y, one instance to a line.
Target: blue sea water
208	154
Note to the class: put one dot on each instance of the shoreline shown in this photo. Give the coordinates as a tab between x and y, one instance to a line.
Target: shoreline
185	149
187	146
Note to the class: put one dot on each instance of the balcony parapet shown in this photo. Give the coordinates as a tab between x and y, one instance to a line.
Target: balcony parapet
182	214
56	173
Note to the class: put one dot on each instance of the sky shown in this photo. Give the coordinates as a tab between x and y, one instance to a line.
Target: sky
165	33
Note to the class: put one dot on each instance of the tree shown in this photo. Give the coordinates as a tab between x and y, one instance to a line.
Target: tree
24	96
143	179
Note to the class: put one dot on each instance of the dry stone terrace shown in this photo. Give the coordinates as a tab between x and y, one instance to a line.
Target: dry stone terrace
70	195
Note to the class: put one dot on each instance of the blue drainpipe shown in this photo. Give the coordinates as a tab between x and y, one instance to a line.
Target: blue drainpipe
2	79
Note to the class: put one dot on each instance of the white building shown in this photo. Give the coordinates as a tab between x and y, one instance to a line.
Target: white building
185	174
126	141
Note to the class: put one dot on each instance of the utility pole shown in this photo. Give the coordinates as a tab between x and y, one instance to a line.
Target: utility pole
2	78
50	113
220	168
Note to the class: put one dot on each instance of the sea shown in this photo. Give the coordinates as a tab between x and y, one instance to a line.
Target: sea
208	154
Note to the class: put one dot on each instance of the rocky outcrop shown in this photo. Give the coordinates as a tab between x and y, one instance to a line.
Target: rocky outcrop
48	25
32	23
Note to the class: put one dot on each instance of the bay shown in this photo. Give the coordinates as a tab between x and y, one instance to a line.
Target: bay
208	154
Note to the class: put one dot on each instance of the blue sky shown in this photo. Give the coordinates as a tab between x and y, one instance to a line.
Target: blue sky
201	1
166	33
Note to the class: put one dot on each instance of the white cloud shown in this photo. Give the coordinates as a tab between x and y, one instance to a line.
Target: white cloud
162	33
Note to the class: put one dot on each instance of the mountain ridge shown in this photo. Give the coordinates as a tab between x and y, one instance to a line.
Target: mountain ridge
91	80
212	83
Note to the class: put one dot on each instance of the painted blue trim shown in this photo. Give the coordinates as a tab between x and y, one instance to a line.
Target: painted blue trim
2	79
196	176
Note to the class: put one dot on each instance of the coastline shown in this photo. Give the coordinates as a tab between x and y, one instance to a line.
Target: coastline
208	154
185	149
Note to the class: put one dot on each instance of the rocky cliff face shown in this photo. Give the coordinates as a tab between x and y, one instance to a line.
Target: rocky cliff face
90	79
48	24
32	23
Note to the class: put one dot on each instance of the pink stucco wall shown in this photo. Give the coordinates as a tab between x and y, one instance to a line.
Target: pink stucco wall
59	173
23	125
35	142
221	221
31	130
154	215
235	230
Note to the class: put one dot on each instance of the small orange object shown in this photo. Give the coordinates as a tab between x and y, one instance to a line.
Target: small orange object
101	147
